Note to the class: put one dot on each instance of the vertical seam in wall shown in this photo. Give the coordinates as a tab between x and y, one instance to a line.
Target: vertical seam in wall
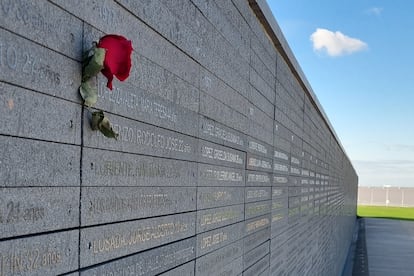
80	164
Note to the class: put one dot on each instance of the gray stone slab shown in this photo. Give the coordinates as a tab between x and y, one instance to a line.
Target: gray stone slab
261	102
252	256
257	238
259	148
214	239
107	168
261	69
44	23
255	178
34	163
257	209
280	168
111	204
103	243
253	194
210	197
29	114
256	224
151	262
231	269
210	175
281	155
257	81
128	100
220	134
220	258
187	269
218	217
34	210
220	155
258	163
50	254
29	65
258	267
137	137
279	192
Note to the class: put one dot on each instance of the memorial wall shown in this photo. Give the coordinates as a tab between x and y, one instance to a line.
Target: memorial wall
225	162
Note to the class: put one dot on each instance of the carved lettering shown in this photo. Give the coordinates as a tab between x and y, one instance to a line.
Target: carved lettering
280	179
251	177
225	135
221	175
280	167
15	212
213	239
257	224
217	196
256	194
257	147
218	217
281	155
259	163
222	155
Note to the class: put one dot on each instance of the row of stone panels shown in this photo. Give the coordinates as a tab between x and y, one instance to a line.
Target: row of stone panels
208	191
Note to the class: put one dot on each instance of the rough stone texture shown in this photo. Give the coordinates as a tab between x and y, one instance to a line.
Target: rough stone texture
225	163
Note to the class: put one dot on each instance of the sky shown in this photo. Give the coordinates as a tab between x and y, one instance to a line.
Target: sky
358	56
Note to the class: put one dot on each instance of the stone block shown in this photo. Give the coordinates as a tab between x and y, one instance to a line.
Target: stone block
210	197
151	262
187	269
257	208
29	65
111	204
108	168
252	256
259	163
258	267
215	239
255	178
34	115
218	217
44	23
257	238
106	242
253	194
257	147
220	258
49	254
34	163
256	224
137	137
35	210
220	155
210	175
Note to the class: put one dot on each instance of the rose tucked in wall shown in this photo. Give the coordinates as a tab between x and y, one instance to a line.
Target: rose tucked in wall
111	56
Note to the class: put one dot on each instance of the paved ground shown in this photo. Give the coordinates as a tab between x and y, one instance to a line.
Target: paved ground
384	247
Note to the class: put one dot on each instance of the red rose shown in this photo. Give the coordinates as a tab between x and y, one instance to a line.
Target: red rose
117	57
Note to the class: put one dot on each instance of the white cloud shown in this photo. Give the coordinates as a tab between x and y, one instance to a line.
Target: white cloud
335	43
375	11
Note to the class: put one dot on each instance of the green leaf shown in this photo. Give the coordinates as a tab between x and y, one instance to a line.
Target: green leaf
89	93
101	122
95	64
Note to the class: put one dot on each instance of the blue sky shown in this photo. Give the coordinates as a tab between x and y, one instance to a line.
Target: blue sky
358	57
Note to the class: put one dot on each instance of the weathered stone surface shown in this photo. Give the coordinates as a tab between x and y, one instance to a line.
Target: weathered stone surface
136	137
219	155
257	208
33	210
212	240
218	217
103	243
210	175
210	197
108	168
33	163
49	254
256	224
220	258
151	262
258	267
34	115
255	239
255	178
220	134
185	269
253	194
258	163
249	258
44	23
29	65
111	204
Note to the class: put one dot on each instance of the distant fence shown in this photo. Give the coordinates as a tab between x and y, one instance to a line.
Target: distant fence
386	196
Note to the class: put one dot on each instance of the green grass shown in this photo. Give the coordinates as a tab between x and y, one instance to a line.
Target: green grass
386	212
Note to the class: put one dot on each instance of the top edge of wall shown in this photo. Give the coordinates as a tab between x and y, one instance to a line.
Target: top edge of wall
265	15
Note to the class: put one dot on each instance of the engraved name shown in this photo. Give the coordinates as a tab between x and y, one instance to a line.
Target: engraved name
222	155
281	155
151	139
259	163
251	177
280	179
257	147
294	170
218	217
256	209
137	102
137	236
294	160
223	134
213	239
116	204
131	169
277	217
221	175
257	224
217	196
280	167
257	194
